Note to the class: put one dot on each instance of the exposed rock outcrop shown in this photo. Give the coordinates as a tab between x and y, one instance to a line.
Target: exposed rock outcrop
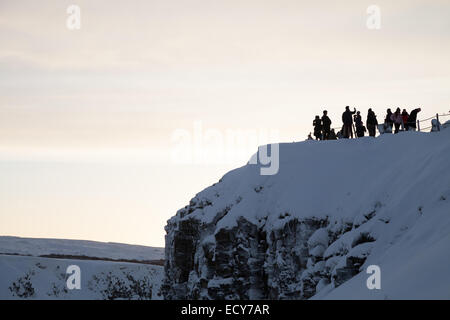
248	261
313	226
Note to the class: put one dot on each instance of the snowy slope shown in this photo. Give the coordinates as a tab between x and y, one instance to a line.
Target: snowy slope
38	247
334	208
23	274
45	278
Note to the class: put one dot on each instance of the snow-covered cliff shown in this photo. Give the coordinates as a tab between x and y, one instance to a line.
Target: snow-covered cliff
311	230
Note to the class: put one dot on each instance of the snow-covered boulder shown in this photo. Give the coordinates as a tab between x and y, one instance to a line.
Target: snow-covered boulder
333	208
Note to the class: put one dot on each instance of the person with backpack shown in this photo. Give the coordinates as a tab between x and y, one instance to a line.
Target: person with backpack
371	122
317	123
326	125
397	119
388	123
357	118
359	126
347	120
412	119
405	116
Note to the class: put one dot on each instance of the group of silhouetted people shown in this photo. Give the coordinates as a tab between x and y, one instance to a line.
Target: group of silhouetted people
322	127
401	120
353	124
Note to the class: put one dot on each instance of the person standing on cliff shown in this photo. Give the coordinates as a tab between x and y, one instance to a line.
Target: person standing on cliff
317	123
388	122
405	116
360	129
347	119
412	119
397	119
371	122
326	125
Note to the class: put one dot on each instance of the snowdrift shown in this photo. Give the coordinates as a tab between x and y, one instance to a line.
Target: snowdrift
311	230
45	279
25	274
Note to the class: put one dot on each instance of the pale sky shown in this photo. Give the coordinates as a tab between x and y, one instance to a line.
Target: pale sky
87	117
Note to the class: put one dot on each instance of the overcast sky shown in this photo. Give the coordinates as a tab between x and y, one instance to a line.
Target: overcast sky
88	117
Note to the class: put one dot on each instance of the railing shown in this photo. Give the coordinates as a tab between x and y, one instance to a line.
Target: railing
428	119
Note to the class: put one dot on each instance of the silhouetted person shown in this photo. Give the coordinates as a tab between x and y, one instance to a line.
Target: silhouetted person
317	123
397	119
358	119
412	119
405	116
309	136
326	124
359	126
332	135
360	130
340	134
347	120
388	123
371	122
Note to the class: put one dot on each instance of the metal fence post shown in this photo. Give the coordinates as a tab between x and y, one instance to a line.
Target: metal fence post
438	124
418	125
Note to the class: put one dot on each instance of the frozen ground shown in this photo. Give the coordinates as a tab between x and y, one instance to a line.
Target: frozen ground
39	247
25	275
45	278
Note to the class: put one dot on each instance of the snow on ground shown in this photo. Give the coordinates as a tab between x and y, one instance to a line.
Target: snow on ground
404	179
23	274
45	278
38	247
340	178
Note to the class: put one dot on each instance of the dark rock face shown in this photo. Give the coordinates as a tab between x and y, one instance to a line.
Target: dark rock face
180	259
287	258
292	259
229	267
243	262
239	256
